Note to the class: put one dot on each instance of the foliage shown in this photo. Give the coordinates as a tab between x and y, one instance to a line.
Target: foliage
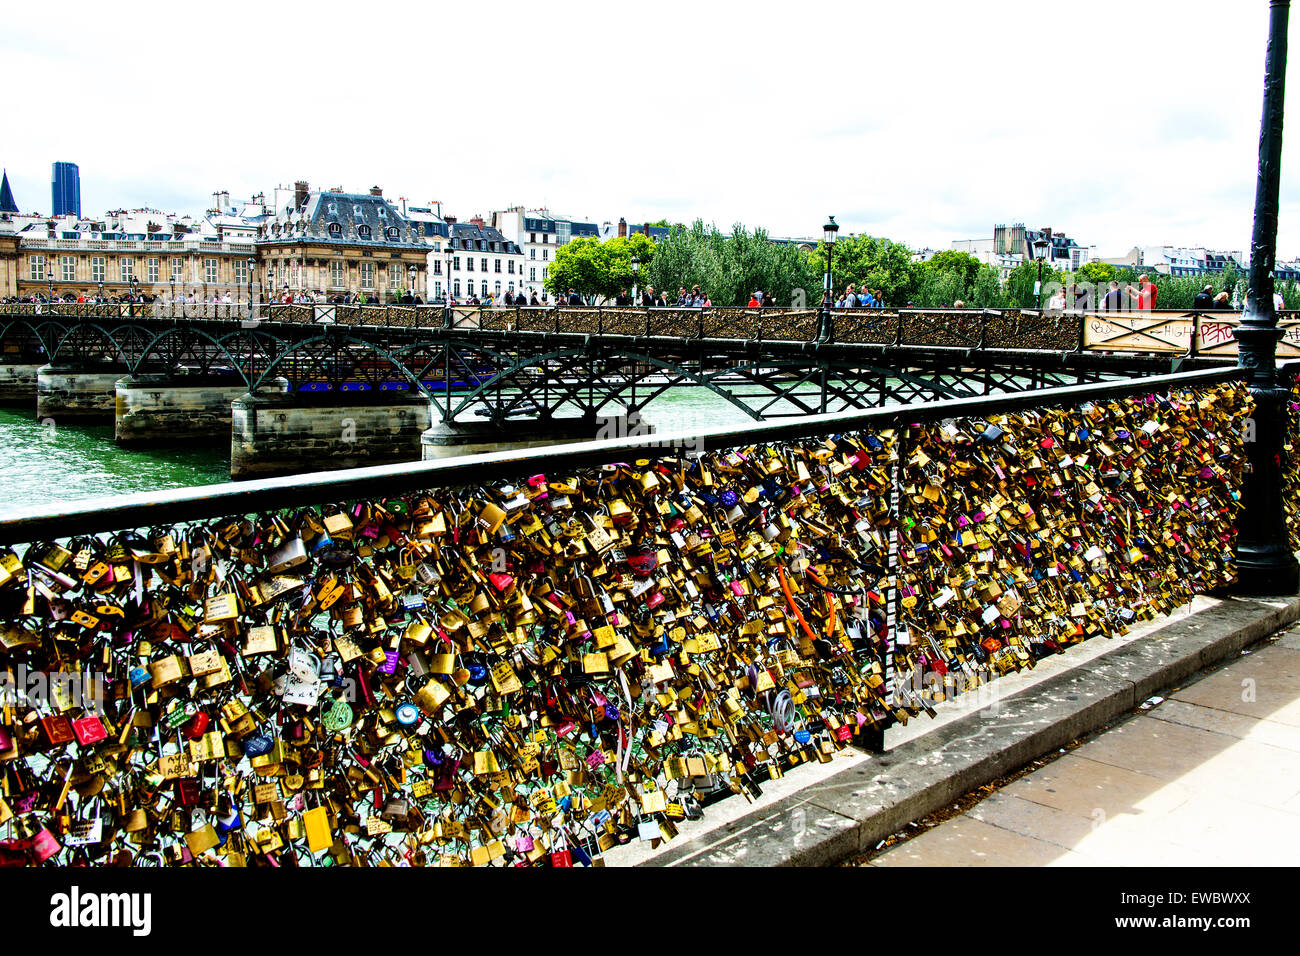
597	270
728	268
876	262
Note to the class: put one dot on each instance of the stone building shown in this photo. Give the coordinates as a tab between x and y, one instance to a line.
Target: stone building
331	242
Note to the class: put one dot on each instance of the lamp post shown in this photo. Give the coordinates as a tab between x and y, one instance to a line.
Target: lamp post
829	232
132	296
1040	255
413	272
636	269
100	296
1265	562
51	278
252	264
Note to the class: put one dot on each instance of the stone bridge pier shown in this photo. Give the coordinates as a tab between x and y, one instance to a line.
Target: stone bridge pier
282	433
452	439
78	393
161	408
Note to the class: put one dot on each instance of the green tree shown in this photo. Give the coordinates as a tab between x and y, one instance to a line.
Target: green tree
728	268
879	263
963	264
1020	284
597	270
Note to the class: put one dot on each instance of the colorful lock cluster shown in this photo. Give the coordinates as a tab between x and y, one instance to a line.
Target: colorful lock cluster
535	671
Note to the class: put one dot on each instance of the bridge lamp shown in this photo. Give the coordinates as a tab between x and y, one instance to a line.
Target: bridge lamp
1041	246
829	232
101	290
636	268
413	272
252	264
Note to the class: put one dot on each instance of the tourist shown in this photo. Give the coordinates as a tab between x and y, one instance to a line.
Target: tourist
1114	298
532	300
1145	293
1279	303
622	300
1221	302
648	298
1204	299
1057	302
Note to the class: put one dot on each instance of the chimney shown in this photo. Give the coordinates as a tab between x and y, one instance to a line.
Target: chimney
376	191
451	219
300	194
622	228
477	221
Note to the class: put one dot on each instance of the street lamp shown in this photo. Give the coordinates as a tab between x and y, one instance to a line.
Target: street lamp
636	269
252	264
1040	255
100	296
412	271
829	232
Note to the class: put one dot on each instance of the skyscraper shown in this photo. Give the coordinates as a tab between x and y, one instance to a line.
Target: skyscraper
66	190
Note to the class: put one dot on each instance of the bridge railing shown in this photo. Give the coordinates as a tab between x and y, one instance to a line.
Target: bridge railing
517	656
1191	333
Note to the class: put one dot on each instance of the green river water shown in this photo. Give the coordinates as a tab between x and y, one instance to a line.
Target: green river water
52	465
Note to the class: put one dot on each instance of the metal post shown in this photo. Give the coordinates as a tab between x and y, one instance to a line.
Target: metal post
1265	563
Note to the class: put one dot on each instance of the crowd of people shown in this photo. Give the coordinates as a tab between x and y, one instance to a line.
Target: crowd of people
855	298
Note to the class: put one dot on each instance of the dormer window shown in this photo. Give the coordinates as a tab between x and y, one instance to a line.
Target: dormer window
363	232
383	213
334	209
335	230
391	233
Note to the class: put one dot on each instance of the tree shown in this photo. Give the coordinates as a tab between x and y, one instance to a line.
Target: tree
597	270
963	264
728	268
1020	284
876	262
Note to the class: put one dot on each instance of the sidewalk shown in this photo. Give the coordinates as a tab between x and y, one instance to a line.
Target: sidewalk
1209	776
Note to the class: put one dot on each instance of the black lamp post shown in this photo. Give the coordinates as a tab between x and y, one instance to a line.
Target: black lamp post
100	296
1041	246
252	264
829	232
636	270
51	278
413	272
1265	562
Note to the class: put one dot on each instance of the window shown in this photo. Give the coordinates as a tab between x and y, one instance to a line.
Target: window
545	272
437	290
545	238
241	271
97	268
127	268
469	264
437	267
483	264
484	288
532	274
295	276
363	232
544	254
497	263
177	266
69	264
151	268
335	230
532	237
532	253
511	266
394	275
36	268
367	275
498	288
336	272
392	233
456	288
456	263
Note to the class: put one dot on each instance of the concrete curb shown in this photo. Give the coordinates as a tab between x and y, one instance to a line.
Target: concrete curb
849	812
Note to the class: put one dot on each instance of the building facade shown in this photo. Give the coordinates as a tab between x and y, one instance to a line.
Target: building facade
332	243
479	261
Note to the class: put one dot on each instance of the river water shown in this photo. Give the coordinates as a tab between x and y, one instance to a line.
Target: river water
53	464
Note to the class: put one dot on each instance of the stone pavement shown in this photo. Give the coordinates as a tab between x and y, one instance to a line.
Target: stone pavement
1209	776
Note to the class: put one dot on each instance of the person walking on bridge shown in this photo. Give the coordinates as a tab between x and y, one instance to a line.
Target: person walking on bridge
1204	299
1145	293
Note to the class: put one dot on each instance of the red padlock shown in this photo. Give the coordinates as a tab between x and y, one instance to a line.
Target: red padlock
197	726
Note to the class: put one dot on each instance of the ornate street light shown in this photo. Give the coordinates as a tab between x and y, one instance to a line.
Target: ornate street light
829	232
413	272
1265	561
252	264
636	269
1041	246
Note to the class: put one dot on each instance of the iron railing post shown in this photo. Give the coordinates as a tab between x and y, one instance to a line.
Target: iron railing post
1265	562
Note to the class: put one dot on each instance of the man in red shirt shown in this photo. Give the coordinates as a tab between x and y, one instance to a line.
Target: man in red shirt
1144	296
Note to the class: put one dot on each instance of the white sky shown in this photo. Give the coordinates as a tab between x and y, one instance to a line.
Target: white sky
1120	123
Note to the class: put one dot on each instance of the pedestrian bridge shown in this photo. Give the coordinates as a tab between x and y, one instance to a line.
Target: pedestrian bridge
482	377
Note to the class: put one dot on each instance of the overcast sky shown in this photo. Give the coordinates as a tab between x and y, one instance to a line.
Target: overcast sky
1119	123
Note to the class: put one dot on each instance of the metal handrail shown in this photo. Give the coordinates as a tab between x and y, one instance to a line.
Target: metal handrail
94	515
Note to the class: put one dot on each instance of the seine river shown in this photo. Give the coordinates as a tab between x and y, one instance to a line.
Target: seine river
44	465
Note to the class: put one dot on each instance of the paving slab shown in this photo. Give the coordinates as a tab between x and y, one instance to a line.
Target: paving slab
968	842
1229	724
